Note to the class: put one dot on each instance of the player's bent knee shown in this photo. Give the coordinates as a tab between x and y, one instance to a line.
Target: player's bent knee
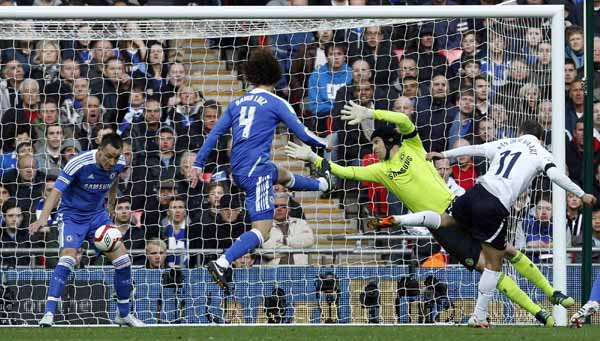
283	176
70	252
67	261
510	251
116	253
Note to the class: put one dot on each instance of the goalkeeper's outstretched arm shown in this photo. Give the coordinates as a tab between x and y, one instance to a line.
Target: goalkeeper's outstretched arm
303	152
355	113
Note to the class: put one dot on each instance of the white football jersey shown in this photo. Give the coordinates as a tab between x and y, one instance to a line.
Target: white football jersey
514	164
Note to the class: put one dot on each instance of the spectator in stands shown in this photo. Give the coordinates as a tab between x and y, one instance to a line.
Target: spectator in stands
143	134
574	217
154	202
4	196
570	73
376	49
404	105
353	141
25	182
432	120
245	262
73	107
78	50
445	170
133	233
156	254
68	149
530	50
541	71
133	51
48	157
176	77
409	87
188	117
578	239
495	65
517	77
597	67
596	114
288	233
575	45
9	161
470	46
574	153
466	118
183	180
482	91
485	131
232	221
53	218
529	95
114	87
46	65
575	104
13	234
296	210
538	227
22	116
157	69
161	164
134	112
308	58
175	229
464	171
324	84
407	67
545	119
503	121
430	63
219	157
469	70
23	52
50	114
203	232
13	73
285	46
69	72
126	176
91	122
102	51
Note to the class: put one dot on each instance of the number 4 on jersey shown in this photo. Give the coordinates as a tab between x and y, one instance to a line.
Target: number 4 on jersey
511	164
246	118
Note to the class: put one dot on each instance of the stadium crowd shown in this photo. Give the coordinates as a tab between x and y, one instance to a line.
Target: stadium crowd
461	81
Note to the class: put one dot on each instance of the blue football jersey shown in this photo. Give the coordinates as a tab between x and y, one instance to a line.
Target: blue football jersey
253	119
84	184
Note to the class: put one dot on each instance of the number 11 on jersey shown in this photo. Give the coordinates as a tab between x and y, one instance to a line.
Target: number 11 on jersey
246	118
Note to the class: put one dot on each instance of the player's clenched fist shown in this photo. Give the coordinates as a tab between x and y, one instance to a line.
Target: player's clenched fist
355	113
35	226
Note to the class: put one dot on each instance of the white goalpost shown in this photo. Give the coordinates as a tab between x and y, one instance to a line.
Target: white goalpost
344	258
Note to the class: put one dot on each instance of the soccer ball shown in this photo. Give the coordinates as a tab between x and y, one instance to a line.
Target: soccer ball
107	238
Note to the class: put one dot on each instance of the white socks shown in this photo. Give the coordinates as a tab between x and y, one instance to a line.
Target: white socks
429	219
487	288
323	185
222	262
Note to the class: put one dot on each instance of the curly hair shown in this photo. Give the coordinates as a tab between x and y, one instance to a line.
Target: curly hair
263	68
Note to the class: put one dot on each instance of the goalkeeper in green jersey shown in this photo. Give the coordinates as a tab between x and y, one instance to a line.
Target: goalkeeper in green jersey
404	171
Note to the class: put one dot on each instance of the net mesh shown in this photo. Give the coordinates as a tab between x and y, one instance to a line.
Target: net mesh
162	84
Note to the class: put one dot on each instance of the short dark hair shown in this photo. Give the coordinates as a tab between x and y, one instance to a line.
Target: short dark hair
112	139
570	61
409	78
9	204
471	61
123	199
49	99
531	127
23	144
50	126
480	77
50	177
263	68
341	46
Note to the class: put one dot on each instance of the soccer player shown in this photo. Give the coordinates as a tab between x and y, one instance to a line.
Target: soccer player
404	171
515	162
81	187
253	119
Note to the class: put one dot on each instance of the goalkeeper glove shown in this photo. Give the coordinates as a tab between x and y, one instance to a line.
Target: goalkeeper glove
381	223
355	113
300	152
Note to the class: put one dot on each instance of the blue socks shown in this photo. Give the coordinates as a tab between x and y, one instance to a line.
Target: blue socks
595	294
122	283
247	242
58	282
302	183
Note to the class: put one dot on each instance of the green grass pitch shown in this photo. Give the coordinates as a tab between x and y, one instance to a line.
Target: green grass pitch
321	333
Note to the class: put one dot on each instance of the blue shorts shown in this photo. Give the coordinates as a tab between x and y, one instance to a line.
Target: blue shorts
73	231
259	193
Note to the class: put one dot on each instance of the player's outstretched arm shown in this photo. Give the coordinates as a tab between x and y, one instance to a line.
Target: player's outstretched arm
475	150
568	185
49	205
303	152
209	144
354	114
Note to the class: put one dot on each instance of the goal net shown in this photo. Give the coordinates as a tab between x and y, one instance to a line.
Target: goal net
162	84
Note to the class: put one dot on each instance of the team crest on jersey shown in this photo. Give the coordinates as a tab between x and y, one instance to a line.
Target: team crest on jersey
69	238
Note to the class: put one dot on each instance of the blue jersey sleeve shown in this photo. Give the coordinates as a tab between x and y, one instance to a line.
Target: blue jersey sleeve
287	114
220	128
67	174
